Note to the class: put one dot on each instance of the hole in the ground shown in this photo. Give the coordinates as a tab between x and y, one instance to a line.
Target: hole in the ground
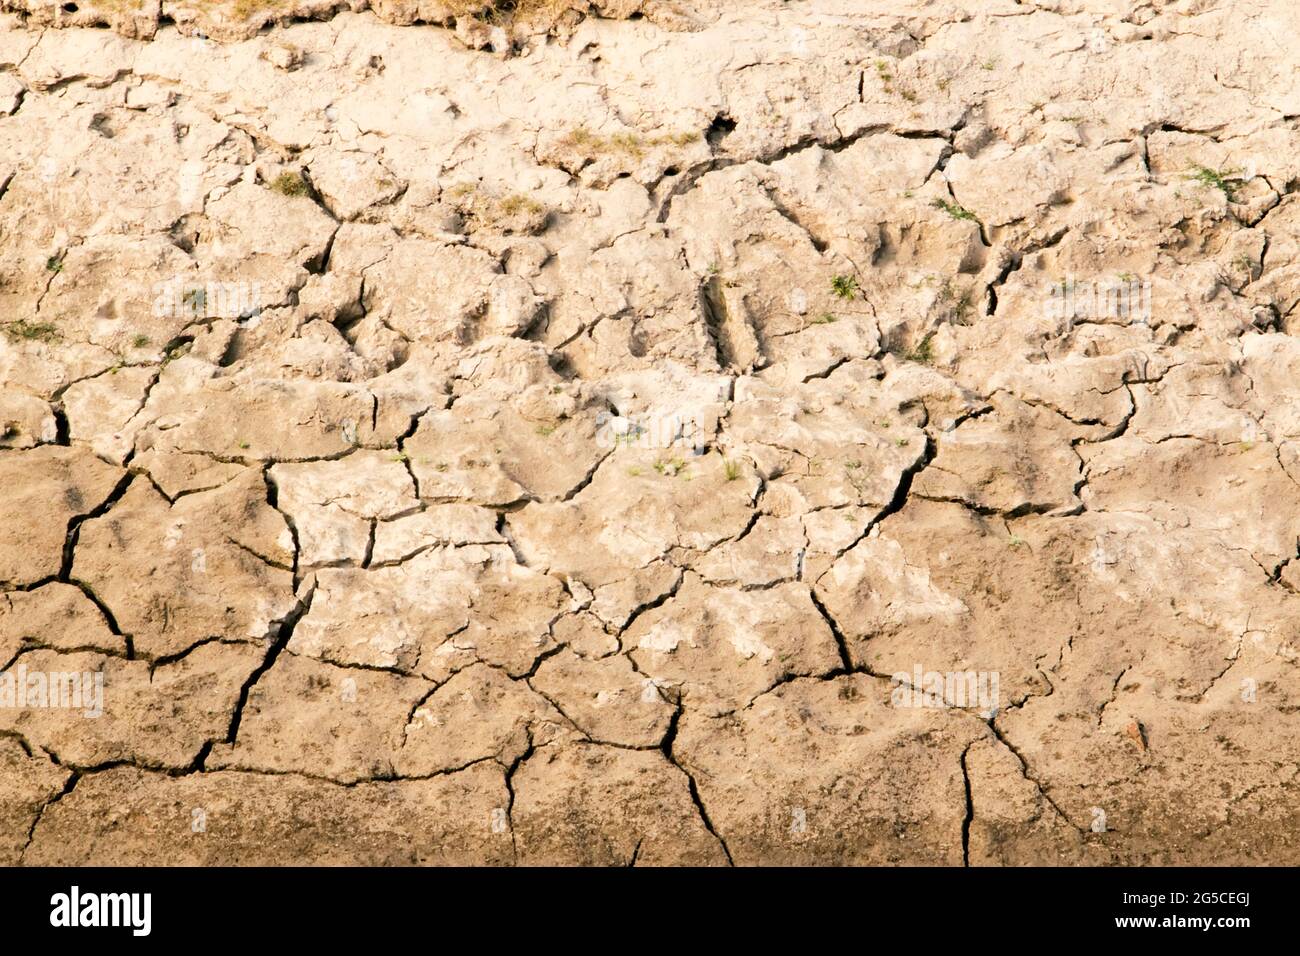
721	127
102	125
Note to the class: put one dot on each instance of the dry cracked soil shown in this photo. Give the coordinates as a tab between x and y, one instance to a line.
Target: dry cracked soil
649	431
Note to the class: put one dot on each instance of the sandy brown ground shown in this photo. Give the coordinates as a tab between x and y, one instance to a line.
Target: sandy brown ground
500	439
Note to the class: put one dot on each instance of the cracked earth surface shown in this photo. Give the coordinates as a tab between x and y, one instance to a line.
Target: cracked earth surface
622	405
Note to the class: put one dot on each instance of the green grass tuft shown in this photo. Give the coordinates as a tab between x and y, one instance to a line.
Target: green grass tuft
924	351
844	287
22	330
954	210
289	184
1226	181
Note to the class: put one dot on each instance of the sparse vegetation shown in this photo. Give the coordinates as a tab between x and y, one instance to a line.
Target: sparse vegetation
31	331
517	204
1226	181
844	287
195	300
955	210
289	184
958	300
731	469
503	12
824	319
176	351
629	437
244	9
629	143
54	264
923	352
140	342
514	212
886	78
670	467
887	82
